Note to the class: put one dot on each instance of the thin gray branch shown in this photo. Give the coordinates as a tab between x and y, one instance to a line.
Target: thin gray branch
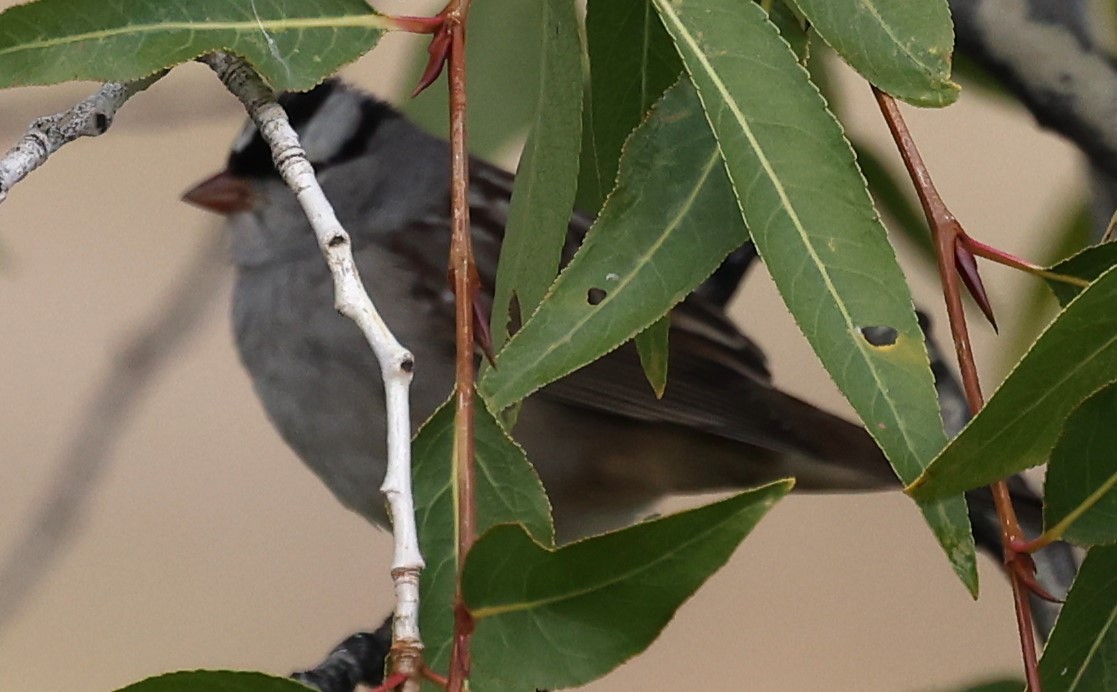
90	118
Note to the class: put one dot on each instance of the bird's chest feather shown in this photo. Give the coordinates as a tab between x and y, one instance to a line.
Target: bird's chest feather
305	358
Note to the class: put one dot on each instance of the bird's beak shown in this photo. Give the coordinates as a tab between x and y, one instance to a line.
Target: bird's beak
223	193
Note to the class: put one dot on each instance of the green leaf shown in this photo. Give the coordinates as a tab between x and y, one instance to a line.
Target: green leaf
793	28
902	47
817	232
215	681
1088	264
1082	473
547	178
895	200
576	613
502	101
1082	652
1006	685
294	44
632	62
665	228
507	491
1073	358
1069	233
651	345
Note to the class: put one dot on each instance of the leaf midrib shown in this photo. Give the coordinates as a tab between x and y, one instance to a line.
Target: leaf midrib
904	48
791	213
270	25
642	261
525	605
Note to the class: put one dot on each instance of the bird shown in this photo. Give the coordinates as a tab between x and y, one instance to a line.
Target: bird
389	183
721	423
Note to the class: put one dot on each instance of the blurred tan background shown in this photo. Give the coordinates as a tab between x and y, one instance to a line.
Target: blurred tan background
207	544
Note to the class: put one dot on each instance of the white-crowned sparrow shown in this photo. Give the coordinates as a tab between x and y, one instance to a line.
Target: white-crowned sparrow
602	443
604	446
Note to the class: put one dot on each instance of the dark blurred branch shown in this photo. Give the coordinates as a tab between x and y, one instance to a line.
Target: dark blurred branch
1044	52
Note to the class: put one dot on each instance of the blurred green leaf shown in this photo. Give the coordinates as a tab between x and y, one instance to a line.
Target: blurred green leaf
507	491
1075	355
1088	264
1006	685
547	177
294	44
817	232
215	681
975	78
1083	471
652	346
1083	646
896	200
665	228
503	67
632	62
1069	233
579	611
793	28
902	47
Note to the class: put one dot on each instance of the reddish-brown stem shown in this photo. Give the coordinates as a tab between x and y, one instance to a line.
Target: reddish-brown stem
947	232
461	262
391	682
435	677
1000	256
417	25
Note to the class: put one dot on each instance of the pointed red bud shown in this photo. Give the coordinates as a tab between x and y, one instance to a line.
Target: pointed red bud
966	266
439	50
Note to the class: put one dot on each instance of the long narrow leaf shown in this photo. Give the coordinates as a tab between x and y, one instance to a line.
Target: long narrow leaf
547	177
819	235
560	609
632	62
507	491
903	47
1074	357
294	44
1080	655
665	228
1082	474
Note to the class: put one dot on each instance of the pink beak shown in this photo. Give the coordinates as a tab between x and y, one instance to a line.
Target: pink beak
223	193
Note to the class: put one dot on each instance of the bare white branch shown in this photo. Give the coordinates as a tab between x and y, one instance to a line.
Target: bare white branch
89	118
351	300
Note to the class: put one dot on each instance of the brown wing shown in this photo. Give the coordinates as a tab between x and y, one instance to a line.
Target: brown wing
718	384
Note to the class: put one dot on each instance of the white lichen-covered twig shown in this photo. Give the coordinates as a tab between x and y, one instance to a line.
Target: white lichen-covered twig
351	300
48	134
87	453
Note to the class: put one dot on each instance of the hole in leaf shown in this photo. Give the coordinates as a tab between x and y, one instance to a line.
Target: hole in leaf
595	295
880	336
515	316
